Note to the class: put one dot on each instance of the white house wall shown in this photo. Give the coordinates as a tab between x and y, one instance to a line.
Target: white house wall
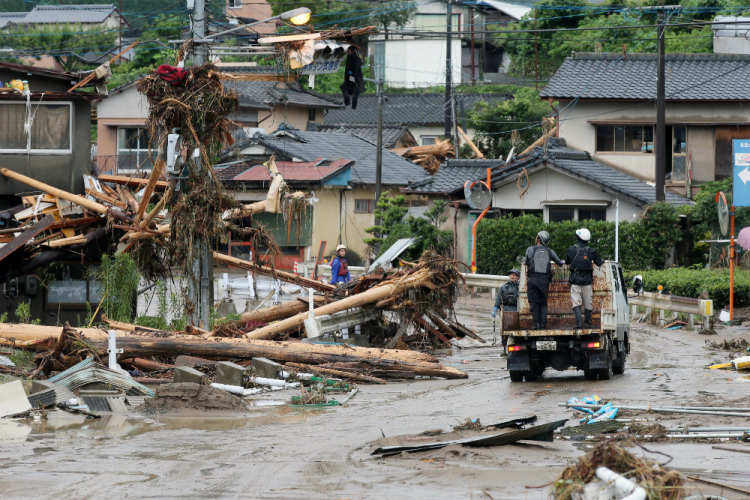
580	134
420	63
126	104
549	185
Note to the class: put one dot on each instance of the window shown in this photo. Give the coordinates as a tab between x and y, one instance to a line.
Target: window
435	22
51	128
428	140
132	150
624	139
592	213
679	156
559	214
73	286
311	115
234	4
364	206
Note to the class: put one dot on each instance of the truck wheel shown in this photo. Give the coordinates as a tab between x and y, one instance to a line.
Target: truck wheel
618	366
589	374
516	375
530	376
606	373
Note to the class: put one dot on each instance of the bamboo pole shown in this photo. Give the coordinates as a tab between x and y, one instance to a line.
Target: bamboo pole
73	198
471	144
369	296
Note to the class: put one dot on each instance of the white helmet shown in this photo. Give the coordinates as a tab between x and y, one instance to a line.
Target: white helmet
340	247
584	234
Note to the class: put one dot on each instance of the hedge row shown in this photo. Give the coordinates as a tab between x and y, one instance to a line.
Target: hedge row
692	282
501	243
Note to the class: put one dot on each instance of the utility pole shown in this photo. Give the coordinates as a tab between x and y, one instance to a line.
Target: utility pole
536	54
448	75
200	284
379	153
661	139
473	66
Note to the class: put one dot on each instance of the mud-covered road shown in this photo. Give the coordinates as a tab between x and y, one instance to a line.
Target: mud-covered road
272	452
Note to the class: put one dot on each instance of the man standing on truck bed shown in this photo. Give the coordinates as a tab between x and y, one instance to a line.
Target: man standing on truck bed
581	259
539	275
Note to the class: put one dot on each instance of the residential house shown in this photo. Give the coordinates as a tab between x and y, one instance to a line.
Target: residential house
249	11
340	170
123	141
607	106
500	14
394	136
89	17
424	114
557	183
730	37
57	152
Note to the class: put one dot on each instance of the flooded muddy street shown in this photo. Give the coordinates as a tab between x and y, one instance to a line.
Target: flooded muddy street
272	451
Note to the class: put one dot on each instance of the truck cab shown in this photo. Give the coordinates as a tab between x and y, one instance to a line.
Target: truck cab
599	351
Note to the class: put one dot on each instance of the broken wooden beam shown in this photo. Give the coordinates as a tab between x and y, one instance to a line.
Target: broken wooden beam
337	373
20	240
73	198
135	182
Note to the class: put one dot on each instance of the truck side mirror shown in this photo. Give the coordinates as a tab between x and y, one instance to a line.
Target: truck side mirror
638	284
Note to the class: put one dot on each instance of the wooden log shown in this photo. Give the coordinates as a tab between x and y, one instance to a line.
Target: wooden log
284	352
73	198
149	189
444	327
429	328
273	273
136	182
471	144
540	142
458	327
158	208
374	294
282	311
19	241
338	373
147	365
130	200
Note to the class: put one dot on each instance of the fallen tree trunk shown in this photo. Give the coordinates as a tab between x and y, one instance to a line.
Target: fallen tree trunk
273	273
369	296
147	365
283	352
282	311
338	373
254	208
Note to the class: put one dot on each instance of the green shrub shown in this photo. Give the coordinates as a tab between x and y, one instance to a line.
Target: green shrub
119	284
692	282
501	243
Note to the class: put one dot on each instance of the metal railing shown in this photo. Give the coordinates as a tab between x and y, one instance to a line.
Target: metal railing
126	164
675	305
472	280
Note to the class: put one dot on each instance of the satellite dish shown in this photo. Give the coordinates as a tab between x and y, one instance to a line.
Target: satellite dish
478	195
723	211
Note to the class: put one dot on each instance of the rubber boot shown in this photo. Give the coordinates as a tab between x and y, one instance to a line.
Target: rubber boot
543	317
587	321
577	313
535	317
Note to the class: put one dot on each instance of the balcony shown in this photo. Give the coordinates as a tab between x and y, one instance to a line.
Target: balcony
137	164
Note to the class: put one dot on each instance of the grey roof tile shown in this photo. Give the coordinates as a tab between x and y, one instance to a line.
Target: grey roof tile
391	133
308	146
410	109
61	14
11	18
688	77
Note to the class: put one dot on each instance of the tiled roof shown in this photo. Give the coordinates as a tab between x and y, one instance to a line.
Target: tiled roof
11	17
62	14
410	109
295	171
688	77
309	146
391	133
453	175
578	164
264	95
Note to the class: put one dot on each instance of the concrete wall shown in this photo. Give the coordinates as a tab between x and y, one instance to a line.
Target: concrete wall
127	103
293	115
580	133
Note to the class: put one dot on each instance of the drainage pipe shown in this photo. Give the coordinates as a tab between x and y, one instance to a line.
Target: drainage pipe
622	484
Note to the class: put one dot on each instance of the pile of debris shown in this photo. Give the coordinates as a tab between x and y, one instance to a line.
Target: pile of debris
430	156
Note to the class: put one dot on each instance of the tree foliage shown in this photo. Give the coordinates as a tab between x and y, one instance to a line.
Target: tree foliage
495	123
546	51
386	14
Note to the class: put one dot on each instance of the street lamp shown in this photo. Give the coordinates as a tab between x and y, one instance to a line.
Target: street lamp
294	16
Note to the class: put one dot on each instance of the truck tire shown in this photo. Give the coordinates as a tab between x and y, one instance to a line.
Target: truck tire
589	373
618	366
516	375
606	373
530	375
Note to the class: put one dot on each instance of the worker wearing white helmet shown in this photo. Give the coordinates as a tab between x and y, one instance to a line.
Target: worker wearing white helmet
581	259
339	267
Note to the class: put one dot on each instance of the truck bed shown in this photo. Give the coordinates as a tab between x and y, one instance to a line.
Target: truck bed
552	333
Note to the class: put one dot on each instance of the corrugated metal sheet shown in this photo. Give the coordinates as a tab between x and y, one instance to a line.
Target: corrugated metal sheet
61	14
97	403
49	397
88	371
